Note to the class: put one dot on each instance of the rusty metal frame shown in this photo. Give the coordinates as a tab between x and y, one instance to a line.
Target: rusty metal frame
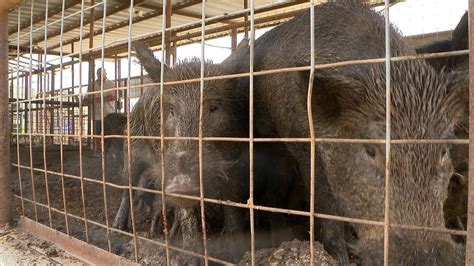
5	189
86	252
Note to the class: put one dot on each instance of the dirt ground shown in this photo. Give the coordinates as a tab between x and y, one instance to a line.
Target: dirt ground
19	248
93	206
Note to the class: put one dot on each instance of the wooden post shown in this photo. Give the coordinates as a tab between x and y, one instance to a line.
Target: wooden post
233	39
5	182
174	48
246	20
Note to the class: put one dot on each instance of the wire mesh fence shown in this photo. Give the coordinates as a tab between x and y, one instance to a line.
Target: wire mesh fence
352	140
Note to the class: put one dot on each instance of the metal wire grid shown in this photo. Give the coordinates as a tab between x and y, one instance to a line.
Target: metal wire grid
250	205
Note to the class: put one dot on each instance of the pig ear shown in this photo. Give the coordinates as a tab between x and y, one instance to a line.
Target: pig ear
148	61
460	34
460	41
237	54
333	94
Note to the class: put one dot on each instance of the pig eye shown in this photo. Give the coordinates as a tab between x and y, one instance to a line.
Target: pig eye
444	155
370	151
213	108
170	110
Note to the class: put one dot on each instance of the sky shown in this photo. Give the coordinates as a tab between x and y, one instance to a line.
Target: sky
411	17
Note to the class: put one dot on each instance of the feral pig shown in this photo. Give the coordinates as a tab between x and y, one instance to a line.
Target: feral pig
223	111
225	163
458	41
349	102
455	207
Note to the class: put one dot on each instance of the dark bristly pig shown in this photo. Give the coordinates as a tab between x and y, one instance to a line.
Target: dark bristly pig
349	102
225	163
455	207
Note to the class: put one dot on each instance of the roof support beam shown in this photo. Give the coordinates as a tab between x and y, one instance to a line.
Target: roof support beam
125	23
97	17
51	13
155	40
156	6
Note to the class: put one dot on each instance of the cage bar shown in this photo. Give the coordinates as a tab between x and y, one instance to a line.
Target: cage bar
470	209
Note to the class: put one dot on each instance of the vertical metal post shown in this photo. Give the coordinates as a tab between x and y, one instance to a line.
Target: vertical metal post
12	97
387	136
141	80
470	210
168	33
52	108
73	112
5	188
117	82
91	110
27	78
233	40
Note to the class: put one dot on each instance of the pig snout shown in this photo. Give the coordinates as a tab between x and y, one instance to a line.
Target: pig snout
183	179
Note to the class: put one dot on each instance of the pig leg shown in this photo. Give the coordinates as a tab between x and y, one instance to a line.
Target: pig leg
192	238
140	212
331	232
121	218
333	240
233	231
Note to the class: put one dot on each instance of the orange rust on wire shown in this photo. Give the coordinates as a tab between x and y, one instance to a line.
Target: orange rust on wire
129	234
201	115
316	140
278	70
81	126
59	20
187	252
61	117
104	187
45	118
274	210
319	140
127	103
251	122
312	134
162	134
264	208
177	28
31	114
388	109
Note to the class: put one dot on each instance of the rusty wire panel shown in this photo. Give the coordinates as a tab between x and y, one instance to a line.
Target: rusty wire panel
77	191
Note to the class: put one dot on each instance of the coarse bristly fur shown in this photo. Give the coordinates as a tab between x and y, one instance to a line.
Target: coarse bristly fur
224	114
349	102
